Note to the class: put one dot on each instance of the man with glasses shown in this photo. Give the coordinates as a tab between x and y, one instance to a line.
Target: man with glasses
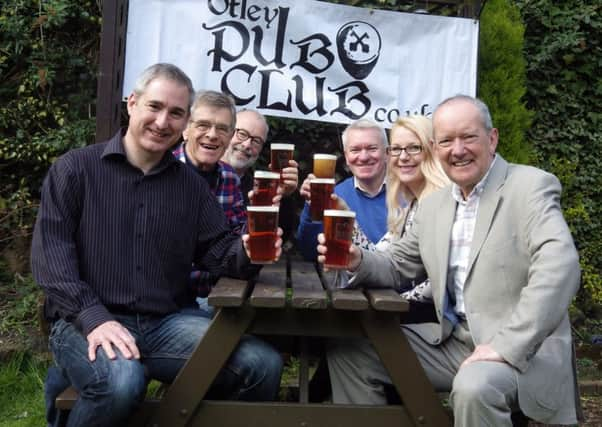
206	138
245	146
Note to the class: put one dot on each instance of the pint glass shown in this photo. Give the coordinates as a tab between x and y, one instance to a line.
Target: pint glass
338	230
324	165
320	191
280	154
263	233
265	188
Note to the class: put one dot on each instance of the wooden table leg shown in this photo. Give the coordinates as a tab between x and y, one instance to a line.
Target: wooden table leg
416	392
197	375
303	369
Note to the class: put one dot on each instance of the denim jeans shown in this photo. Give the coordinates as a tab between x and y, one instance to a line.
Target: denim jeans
110	390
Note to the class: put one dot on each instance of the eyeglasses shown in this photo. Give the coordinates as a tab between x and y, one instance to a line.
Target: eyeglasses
411	150
220	128
243	135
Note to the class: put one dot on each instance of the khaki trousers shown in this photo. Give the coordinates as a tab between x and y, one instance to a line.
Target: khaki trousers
481	393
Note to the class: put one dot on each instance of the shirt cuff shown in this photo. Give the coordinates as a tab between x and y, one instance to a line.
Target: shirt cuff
88	319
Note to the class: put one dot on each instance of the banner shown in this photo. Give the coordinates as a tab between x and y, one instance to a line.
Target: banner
307	59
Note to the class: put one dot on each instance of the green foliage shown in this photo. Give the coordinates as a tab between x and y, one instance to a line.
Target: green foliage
19	304
47	87
563	44
502	75
21	392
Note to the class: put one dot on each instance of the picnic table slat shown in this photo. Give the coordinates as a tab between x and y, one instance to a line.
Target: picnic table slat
270	286
261	414
349	299
307	287
343	299
228	292
387	300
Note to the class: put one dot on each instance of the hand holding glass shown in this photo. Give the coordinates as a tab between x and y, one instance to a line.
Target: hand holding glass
280	154
338	231
263	233
320	191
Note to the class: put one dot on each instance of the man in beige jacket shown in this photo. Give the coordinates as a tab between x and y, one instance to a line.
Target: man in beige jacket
504	269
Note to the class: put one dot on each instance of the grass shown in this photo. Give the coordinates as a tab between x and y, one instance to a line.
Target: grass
21	391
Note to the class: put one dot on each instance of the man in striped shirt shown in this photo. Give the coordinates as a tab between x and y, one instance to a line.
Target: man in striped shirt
119	225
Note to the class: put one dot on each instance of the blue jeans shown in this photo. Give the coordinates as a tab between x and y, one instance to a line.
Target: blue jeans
110	390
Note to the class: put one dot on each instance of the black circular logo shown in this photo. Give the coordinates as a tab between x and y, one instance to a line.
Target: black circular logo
358	46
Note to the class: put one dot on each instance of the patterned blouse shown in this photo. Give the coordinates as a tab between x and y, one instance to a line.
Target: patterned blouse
418	292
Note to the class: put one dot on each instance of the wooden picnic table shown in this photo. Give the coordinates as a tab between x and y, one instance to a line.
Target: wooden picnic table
266	306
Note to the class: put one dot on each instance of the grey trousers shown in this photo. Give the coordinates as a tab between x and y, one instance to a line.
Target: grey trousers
482	393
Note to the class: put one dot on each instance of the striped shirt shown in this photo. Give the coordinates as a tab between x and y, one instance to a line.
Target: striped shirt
109	238
461	240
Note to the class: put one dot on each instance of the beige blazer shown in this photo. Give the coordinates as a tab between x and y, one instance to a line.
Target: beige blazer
522	275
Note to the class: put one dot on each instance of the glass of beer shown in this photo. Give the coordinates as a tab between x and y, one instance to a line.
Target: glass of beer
324	165
265	187
263	233
280	154
320	191
338	230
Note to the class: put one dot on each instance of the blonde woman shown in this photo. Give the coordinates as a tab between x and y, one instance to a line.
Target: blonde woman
412	174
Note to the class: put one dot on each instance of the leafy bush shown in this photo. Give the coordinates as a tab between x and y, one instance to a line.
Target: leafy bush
502	75
19	304
563	45
47	87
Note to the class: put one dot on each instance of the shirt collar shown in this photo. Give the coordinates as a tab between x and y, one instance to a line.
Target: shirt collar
476	191
115	148
359	187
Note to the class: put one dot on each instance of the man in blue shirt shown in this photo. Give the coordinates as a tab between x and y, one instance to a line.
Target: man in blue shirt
364	146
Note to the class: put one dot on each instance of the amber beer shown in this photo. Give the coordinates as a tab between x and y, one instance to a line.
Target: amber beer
324	165
263	233
338	230
265	188
280	154
320	191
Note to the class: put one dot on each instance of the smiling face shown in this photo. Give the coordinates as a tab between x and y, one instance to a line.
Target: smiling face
463	145
242	154
406	167
365	154
157	117
208	135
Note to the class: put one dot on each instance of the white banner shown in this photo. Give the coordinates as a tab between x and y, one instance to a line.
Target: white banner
307	59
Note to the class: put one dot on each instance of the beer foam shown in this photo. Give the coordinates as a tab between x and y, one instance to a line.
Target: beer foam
337	212
282	146
266	175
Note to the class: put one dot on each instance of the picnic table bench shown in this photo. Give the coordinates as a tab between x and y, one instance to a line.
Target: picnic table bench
293	298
